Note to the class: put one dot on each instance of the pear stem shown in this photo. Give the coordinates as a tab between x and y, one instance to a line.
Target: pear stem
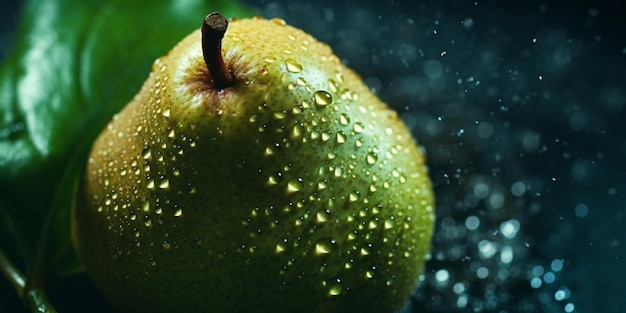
213	29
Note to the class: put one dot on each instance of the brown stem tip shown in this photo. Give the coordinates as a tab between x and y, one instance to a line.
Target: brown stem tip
213	29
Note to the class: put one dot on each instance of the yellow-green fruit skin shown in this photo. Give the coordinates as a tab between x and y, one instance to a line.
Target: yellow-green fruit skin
295	190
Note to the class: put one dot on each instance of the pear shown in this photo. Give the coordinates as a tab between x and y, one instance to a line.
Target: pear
254	172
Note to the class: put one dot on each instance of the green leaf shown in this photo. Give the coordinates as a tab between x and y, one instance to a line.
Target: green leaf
74	65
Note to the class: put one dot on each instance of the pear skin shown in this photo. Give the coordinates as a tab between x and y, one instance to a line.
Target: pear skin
274	182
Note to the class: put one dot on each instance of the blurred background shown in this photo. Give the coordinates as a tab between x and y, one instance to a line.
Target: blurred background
521	107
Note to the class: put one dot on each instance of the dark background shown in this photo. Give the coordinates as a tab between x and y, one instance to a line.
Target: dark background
521	108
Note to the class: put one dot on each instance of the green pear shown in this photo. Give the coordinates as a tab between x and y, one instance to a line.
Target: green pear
254	172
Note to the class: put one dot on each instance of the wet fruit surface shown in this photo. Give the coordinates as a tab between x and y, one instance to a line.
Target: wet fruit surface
294	190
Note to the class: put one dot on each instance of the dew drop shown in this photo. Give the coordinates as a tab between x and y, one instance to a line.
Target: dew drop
333	85
301	81
322	216
279	21
167	112
341	137
296	110
147	153
314	135
373	224
386	184
325	136
338	171
352	236
353	197
166	245
334	287
283	78
296	131
364	251
358	143
402	179
150	184
321	185
325	246
371	158
272	180
279	115
344	119
389	223
146	206
339	77
322	98
358	127
294	185
293	66
280	248
164	184
178	213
